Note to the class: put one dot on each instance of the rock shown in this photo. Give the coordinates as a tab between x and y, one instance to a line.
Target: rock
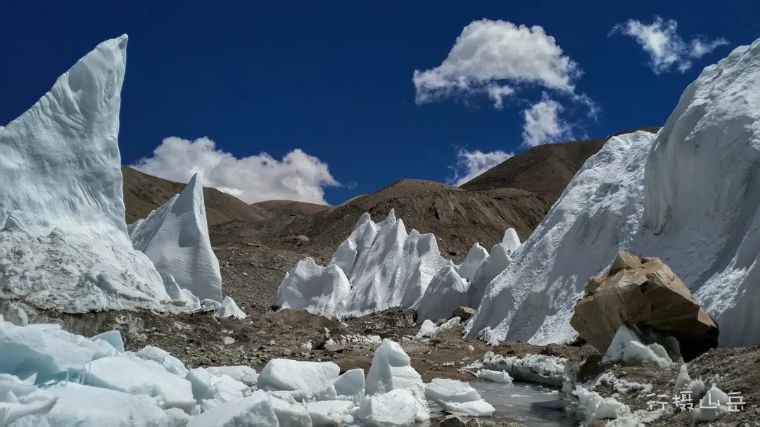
464	313
455	421
646	296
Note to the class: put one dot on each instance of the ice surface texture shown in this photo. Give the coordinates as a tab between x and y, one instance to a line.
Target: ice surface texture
689	195
175	237
63	239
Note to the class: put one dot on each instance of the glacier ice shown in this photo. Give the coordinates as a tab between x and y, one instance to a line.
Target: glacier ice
627	347
254	410
63	239
326	413
169	362
497	261
80	405
306	379
534	299
397	408
350	384
446	292
595	407
213	388
420	261
692	185
375	267
12	411
175	237
472	262
429	329
131	374
46	350
494	376
229	308
381	265
458	397
242	373
535	368
289	413
317	289
391	369
113	338
148	388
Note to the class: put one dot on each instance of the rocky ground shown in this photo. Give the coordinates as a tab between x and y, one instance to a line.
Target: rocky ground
204	340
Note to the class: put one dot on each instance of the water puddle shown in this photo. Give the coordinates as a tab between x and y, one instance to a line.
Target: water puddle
525	403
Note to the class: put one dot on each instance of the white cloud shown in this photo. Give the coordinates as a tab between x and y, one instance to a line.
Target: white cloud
543	125
298	176
665	47
473	163
498	93
488	54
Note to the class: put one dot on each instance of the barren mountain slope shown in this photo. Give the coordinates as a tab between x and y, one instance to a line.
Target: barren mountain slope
144	193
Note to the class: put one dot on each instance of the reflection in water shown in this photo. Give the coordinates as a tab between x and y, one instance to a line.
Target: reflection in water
524	403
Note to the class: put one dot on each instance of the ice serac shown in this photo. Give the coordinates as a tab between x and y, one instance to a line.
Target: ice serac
446	292
375	267
63	239
599	212
358	242
420	261
175	237
497	261
693	185
316	289
391	369
475	257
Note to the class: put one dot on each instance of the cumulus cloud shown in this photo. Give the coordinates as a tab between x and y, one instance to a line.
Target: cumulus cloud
491	56
473	163
298	176
666	49
543	124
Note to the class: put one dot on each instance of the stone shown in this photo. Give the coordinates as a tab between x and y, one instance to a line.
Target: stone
464	313
647	297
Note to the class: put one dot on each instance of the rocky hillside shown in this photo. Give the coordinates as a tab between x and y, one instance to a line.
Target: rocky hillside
144	193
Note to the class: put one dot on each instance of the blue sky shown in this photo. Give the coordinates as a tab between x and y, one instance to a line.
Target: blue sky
335	80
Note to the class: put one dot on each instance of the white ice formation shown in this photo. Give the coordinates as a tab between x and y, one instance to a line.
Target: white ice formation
534	368
380	266
689	195
446	292
627	347
175	237
391	369
63	238
88	382
228	308
320	290
458	397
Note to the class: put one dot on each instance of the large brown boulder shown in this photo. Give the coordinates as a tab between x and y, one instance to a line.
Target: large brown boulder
645	295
